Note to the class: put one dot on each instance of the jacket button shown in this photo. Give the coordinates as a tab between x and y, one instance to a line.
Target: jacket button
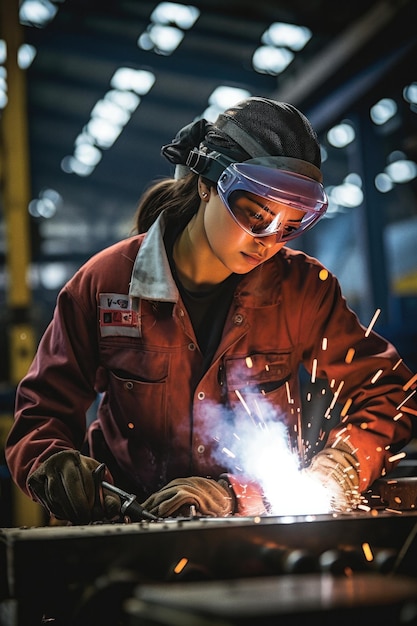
191	346
201	395
129	385
200	449
238	319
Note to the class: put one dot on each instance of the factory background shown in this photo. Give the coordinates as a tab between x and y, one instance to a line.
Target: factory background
90	91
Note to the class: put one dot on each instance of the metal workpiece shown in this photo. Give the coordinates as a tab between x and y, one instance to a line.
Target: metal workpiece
79	561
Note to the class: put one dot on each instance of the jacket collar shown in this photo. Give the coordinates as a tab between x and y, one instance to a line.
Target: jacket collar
151	276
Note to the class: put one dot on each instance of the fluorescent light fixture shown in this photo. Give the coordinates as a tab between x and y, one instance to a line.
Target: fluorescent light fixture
161	39
37	12
182	15
383	182
129	79
25	56
289	35
271	60
166	30
222	98
383	110
341	135
401	171
410	93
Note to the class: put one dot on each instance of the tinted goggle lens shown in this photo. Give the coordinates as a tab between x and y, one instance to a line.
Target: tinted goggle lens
266	201
260	217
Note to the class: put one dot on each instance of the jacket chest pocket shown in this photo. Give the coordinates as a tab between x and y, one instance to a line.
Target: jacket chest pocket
261	385
137	397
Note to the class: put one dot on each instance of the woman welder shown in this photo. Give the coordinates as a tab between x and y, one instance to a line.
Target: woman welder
163	324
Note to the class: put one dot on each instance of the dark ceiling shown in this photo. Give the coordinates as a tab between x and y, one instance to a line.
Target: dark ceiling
79	51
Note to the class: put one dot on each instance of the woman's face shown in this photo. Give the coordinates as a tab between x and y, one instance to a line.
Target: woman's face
239	251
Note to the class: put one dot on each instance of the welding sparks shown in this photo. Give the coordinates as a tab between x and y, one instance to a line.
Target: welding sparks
397	457
245	406
376	376
410	383
334	400
367	552
372	322
180	565
314	371
349	355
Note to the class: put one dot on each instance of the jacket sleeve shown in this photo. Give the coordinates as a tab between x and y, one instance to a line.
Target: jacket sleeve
52	399
374	389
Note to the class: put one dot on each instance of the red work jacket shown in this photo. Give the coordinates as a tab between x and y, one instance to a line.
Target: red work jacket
120	332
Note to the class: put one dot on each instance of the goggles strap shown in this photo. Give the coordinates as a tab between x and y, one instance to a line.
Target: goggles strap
242	138
210	165
290	164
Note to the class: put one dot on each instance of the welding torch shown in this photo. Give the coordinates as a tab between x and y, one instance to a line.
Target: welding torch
130	506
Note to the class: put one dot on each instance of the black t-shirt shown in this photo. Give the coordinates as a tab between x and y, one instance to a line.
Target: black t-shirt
207	309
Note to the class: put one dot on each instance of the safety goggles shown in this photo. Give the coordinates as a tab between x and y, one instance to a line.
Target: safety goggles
266	201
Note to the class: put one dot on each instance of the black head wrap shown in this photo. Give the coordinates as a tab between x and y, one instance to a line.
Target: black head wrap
253	127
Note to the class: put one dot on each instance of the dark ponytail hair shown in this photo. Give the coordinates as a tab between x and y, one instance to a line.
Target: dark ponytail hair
179	198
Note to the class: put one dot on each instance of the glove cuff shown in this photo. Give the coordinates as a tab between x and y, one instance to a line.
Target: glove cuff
248	494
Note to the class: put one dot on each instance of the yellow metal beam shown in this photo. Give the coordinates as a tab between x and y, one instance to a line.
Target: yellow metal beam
16	196
15	185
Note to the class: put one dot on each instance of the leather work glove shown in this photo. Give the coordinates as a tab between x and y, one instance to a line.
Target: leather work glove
210	497
65	485
336	470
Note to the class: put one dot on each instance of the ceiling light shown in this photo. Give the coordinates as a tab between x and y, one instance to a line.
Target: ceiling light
410	93
383	182
221	99
138	81
173	13
271	60
161	39
25	56
289	35
37	12
341	135
383	111
401	171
